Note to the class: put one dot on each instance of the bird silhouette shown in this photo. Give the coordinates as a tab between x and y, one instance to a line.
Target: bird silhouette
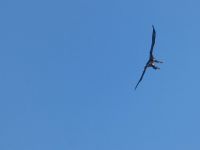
151	62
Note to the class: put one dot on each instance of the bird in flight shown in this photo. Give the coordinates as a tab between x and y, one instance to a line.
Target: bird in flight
151	62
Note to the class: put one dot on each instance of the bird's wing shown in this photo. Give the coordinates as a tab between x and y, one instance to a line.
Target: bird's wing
153	41
141	76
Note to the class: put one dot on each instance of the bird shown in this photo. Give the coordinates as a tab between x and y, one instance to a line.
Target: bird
151	62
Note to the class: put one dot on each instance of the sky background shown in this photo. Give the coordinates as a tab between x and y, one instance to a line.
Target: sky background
68	69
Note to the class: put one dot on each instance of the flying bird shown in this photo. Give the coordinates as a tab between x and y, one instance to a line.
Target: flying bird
151	62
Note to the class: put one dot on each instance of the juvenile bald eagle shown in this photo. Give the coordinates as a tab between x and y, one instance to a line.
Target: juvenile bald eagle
151	62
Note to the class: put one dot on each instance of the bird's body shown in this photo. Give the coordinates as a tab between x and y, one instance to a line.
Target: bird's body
151	62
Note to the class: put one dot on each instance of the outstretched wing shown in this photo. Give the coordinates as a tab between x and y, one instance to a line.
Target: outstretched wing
141	77
153	41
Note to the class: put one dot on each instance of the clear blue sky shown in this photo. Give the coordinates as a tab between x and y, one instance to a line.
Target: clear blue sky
68	70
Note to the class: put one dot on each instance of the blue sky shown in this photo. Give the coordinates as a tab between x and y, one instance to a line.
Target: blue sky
68	71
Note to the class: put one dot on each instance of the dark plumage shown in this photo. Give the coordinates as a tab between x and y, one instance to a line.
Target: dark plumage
151	62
